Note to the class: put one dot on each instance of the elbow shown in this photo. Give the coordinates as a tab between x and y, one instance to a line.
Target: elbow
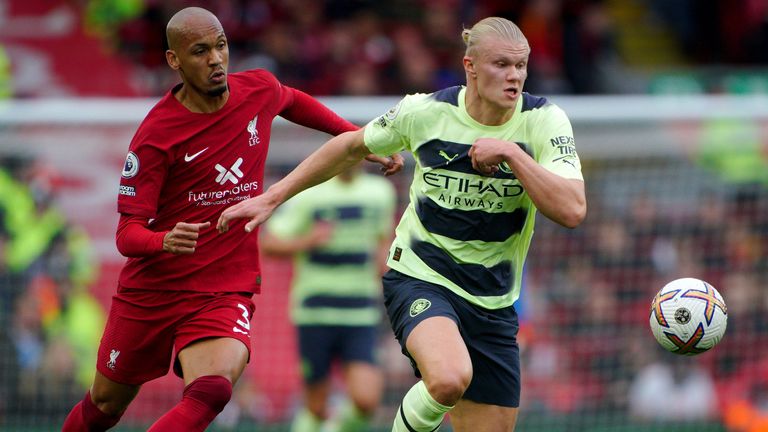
267	247
574	216
355	145
270	252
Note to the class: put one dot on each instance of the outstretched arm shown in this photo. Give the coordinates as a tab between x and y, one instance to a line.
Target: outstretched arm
308	111
319	235
336	155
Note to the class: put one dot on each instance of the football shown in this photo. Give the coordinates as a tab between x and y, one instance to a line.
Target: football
688	316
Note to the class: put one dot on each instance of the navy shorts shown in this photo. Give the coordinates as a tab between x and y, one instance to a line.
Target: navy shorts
320	345
490	335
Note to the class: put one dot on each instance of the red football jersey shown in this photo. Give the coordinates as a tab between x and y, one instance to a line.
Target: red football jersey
188	167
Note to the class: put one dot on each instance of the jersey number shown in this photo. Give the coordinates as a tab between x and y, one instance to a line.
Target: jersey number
245	323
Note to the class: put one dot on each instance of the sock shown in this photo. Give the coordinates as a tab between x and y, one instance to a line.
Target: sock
203	400
419	411
305	421
350	419
86	416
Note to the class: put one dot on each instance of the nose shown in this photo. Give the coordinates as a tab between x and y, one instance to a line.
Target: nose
513	74
216	57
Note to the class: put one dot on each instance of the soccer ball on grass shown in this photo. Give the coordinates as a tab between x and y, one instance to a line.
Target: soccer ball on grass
688	316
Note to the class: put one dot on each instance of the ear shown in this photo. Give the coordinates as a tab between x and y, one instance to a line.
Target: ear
172	59
469	67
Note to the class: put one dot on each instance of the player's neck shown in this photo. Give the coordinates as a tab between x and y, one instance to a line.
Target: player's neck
483	112
200	103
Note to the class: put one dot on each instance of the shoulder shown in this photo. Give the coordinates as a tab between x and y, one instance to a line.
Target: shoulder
539	105
540	111
426	104
257	78
159	120
447	97
533	103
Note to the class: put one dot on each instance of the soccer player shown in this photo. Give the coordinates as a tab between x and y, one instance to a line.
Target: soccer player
338	234
184	289
488	157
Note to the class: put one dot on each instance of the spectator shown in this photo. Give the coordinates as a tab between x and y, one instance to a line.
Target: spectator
688	391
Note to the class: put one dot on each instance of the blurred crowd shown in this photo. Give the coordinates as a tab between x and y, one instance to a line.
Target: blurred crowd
366	47
588	352
49	321
589	348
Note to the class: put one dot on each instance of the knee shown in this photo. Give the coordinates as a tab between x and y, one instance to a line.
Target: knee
110	401
317	408
366	406
448	386
212	390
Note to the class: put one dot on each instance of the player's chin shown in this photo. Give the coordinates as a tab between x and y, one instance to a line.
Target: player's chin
217	90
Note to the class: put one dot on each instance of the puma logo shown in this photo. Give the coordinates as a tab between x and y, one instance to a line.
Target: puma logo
448	158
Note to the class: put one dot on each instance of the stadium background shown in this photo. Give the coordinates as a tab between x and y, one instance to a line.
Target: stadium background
669	107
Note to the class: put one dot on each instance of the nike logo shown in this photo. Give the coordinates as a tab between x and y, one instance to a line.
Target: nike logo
448	158
188	157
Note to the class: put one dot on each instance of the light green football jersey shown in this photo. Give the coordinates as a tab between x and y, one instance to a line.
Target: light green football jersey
339	283
462	230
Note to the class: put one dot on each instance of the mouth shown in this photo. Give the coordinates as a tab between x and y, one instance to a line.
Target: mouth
218	77
512	91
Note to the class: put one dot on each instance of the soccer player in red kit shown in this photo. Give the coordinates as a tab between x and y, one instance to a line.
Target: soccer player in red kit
186	289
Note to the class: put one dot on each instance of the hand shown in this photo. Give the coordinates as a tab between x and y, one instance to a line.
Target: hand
182	239
488	153
389	165
320	235
258	209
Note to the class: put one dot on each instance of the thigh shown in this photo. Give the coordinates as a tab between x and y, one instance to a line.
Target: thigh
215	339
356	343
491	338
468	416
437	349
316	346
364	383
425	323
362	375
137	343
222	356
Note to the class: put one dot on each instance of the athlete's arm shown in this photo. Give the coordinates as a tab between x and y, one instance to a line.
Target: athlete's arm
273	245
336	155
135	239
560	199
309	112
382	253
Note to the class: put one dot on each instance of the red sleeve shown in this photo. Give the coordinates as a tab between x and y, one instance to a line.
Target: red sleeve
308	111
135	239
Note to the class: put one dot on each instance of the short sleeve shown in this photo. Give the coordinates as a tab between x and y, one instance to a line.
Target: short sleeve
387	134
556	147
142	179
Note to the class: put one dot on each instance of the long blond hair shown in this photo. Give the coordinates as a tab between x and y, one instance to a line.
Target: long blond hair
493	26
